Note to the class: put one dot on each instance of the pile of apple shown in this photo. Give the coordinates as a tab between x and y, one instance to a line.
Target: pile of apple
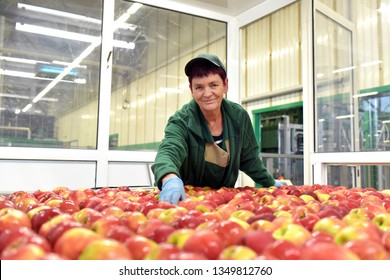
289	223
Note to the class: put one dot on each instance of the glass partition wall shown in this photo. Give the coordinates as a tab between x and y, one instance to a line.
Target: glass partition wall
50	71
351	92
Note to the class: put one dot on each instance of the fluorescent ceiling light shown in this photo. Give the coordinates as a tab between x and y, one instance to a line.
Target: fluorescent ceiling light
30	75
17	73
133	9
344	117
68	35
58	13
20	60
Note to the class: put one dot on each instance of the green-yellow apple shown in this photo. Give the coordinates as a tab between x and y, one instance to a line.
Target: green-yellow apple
27	204
163	251
103	225
133	220
237	252
105	249
180	236
264	225
382	220
171	215
330	225
242	214
294	233
33	211
349	233
87	216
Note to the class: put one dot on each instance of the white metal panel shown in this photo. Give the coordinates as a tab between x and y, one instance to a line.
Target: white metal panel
128	174
30	175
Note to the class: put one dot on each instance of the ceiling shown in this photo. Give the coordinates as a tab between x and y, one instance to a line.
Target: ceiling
228	7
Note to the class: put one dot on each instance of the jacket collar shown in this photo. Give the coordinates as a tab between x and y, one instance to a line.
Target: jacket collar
197	119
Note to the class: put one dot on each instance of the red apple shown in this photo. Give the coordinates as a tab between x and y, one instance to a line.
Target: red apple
105	249
229	232
327	251
283	250
386	240
191	219
42	216
55	232
257	240
87	216
53	223
139	246
147	229
68	206
367	249
103	225
18	196
11	217
73	241
23	251
205	242
163	251
6	204
16	236
161	233
133	220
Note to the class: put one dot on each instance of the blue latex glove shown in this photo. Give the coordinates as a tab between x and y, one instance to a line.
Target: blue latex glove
279	183
172	190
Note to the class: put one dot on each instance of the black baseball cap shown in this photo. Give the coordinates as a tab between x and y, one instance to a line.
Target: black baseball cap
205	57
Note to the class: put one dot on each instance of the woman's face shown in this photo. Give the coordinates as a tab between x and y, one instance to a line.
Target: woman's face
209	92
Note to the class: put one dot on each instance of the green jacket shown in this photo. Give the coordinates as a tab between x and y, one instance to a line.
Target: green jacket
186	145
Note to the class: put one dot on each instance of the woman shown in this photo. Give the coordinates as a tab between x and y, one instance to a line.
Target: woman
209	139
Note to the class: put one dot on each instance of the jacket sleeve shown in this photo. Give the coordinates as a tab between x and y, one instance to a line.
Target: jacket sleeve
172	150
250	161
